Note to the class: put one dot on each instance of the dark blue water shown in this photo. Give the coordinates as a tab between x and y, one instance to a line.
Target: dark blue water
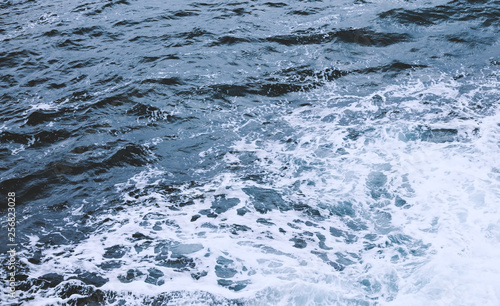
252	153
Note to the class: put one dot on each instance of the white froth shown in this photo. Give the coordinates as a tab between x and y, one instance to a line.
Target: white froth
451	219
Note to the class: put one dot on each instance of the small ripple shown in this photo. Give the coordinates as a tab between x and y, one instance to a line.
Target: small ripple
307	12
459	11
231	40
150	59
163	81
15	58
364	37
275	4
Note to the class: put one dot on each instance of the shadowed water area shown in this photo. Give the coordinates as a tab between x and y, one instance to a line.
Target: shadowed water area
251	152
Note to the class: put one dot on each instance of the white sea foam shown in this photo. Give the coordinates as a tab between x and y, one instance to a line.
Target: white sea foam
438	245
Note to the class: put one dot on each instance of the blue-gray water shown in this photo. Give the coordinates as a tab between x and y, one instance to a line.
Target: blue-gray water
251	153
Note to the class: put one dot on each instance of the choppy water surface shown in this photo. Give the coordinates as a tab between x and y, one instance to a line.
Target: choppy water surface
253	152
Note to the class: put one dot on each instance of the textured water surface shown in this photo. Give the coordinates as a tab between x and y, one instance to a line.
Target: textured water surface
252	152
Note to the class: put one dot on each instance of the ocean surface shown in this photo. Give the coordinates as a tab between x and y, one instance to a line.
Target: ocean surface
251	152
